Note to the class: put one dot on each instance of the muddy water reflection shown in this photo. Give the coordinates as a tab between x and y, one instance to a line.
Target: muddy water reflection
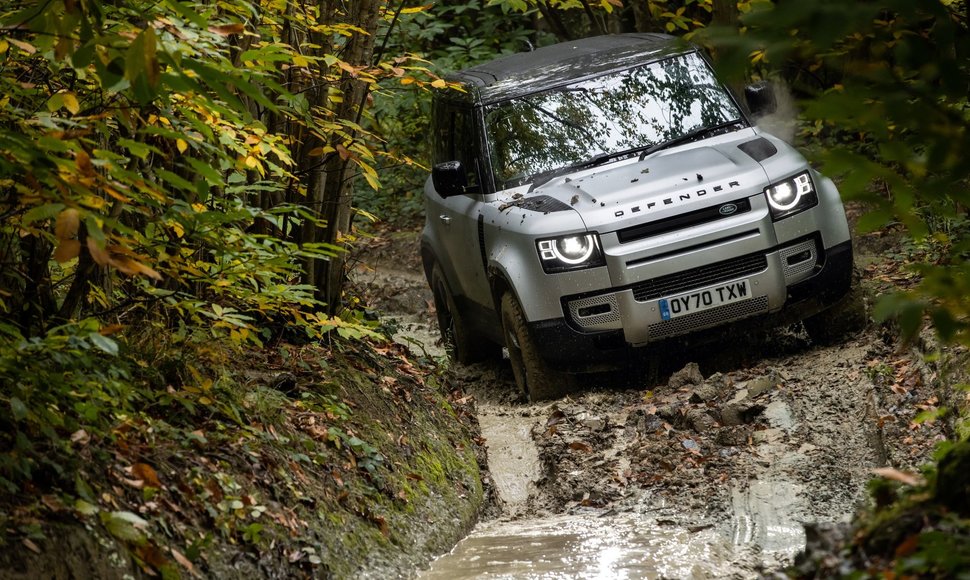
585	546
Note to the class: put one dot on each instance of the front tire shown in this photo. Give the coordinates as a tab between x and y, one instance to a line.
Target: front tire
845	317
533	375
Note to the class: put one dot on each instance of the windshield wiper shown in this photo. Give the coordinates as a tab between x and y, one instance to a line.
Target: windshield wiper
688	136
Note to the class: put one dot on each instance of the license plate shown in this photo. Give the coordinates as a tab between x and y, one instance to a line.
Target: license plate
701	300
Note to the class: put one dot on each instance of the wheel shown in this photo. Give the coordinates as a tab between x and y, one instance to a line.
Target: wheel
463	345
532	373
845	317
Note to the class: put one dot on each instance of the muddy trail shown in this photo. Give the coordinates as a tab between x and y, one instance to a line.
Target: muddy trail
709	468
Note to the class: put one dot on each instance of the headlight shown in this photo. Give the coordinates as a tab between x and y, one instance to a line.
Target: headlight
570	253
791	196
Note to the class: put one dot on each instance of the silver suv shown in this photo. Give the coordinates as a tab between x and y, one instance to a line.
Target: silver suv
596	196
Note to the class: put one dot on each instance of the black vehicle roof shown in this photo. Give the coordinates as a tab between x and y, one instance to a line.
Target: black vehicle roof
551	66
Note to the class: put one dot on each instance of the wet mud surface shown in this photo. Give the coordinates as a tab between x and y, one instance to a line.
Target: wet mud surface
709	468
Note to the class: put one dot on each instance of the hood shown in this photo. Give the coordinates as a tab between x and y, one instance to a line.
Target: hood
667	183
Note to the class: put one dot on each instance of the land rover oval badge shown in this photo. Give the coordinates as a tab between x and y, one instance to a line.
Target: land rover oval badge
728	209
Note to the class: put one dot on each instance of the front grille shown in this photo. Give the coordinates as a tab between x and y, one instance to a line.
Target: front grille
687	220
672	284
707	318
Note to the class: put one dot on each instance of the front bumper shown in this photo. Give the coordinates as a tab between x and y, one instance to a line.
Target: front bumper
788	283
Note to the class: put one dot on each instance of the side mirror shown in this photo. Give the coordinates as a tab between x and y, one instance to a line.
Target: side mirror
449	178
761	98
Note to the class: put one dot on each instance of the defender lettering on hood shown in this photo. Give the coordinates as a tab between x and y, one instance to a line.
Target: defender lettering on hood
680	198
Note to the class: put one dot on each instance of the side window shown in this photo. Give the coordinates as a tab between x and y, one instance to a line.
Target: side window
466	146
455	139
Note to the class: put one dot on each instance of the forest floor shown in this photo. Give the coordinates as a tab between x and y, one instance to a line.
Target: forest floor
729	453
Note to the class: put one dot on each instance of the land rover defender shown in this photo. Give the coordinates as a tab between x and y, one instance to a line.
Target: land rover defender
593	197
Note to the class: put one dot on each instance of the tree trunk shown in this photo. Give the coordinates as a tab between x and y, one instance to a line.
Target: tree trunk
725	12
331	184
643	20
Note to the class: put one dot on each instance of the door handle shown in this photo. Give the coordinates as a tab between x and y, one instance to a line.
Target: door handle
445	218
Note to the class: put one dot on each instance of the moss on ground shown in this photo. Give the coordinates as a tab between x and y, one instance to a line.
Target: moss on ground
304	461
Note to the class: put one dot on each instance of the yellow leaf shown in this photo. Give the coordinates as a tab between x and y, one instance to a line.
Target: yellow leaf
66	224
134	267
177	227
227	29
251	161
439	84
67	250
70	103
181	145
4	46
99	254
301	61
24	46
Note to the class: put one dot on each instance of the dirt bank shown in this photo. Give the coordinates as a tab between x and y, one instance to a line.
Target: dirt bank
738	445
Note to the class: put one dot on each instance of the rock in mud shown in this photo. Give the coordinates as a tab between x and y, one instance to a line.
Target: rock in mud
644	423
690	375
701	420
740	413
761	385
704	394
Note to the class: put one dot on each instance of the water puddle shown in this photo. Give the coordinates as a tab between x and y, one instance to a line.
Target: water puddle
585	546
763	526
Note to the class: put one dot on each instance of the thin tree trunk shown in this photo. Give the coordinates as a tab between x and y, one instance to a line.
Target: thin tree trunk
725	12
551	16
595	23
333	187
643	20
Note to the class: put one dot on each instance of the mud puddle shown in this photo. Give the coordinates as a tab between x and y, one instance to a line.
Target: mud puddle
584	546
709	473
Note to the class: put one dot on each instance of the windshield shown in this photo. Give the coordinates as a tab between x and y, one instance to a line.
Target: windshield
618	114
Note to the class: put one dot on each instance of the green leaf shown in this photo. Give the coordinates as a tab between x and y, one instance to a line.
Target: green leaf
42	212
142	69
125	526
83	489
189	12
139	150
18	408
104	343
84	508
205	170
174	180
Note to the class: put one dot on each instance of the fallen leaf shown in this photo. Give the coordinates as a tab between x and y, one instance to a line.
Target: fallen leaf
30	545
580	446
185	562
900	476
555	418
147	474
150	554
908	546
